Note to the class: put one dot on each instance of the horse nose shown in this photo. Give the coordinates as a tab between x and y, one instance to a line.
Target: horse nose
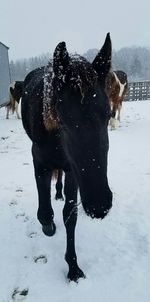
99	210
99	214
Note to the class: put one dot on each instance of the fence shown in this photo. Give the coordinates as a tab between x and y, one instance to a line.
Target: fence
138	91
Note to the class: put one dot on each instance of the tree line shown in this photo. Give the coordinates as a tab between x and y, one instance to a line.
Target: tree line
135	61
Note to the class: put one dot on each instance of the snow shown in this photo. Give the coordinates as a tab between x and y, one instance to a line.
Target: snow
113	253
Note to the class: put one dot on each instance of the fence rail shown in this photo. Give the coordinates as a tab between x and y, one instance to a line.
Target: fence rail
138	91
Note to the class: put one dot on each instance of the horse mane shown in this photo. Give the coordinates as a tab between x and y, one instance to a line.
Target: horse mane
50	118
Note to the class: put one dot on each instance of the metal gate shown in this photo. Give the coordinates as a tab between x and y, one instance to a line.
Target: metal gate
138	91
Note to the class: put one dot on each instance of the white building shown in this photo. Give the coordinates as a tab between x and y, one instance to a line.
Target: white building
4	74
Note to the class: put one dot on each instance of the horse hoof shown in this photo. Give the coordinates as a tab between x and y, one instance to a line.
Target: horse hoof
75	275
49	229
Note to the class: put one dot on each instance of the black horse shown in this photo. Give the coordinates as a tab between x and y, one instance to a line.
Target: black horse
65	112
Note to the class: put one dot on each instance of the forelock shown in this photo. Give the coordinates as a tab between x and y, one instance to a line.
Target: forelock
81	69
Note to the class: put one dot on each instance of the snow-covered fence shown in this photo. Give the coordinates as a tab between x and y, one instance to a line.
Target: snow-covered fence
138	91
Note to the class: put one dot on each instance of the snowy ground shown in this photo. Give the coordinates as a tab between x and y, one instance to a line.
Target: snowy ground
114	253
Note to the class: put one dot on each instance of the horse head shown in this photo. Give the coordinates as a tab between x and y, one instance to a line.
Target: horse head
83	111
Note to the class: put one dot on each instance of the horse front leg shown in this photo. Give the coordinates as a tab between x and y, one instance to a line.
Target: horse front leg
70	219
113	117
119	110
59	185
7	112
16	109
45	212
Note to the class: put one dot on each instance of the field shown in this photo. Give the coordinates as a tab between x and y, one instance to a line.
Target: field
114	253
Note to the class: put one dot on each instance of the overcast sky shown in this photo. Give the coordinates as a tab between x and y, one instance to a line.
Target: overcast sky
33	27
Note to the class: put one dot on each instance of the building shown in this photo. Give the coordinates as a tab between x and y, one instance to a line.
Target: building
4	74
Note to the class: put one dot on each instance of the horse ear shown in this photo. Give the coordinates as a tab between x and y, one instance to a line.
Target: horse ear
60	60
102	62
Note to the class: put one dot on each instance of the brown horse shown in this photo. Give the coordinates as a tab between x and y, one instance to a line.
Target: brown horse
116	89
15	90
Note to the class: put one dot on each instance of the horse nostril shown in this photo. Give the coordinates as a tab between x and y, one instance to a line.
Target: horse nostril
99	214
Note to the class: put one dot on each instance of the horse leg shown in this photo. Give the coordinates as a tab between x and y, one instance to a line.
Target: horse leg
70	219
45	212
113	117
16	109
59	185
7	112
119	110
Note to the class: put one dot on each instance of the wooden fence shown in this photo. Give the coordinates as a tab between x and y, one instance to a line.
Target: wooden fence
138	91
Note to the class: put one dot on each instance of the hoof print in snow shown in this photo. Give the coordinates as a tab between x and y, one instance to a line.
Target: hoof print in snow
26	218
4	137
13	203
19	190
40	259
19	295
32	235
20	215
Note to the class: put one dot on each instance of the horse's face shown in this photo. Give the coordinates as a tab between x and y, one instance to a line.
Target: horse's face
83	110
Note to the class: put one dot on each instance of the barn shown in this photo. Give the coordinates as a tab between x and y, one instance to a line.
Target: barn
4	74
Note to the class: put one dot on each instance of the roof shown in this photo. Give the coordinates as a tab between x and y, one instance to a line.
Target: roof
4	45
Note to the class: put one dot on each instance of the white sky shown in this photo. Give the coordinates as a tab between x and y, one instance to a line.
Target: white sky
33	27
